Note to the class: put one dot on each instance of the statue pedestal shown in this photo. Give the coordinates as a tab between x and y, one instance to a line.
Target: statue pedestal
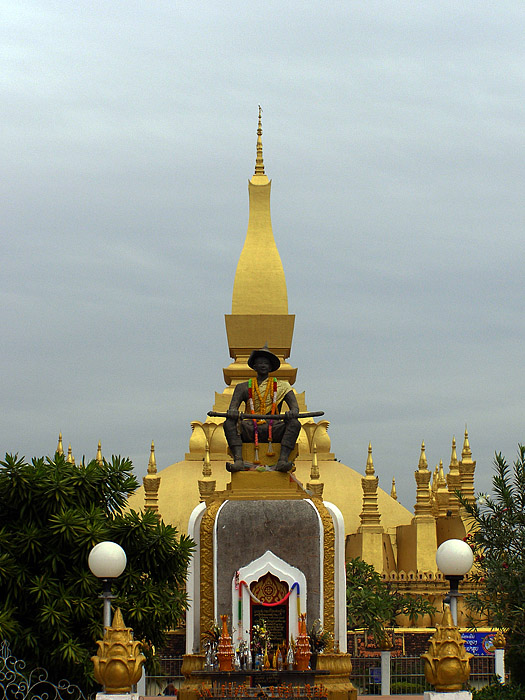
454	695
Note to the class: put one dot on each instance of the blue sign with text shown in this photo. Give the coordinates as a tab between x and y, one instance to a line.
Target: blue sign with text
479	643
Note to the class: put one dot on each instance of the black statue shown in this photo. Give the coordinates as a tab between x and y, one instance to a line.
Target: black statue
260	395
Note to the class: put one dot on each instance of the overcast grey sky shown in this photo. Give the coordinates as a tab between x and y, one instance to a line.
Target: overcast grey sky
394	136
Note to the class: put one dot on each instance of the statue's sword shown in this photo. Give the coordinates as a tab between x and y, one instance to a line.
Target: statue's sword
265	416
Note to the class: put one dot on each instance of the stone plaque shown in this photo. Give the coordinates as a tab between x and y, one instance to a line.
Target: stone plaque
276	619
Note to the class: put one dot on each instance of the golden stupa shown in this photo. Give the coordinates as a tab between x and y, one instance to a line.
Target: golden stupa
400	545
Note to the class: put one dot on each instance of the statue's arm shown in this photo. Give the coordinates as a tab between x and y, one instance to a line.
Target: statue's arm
292	404
240	395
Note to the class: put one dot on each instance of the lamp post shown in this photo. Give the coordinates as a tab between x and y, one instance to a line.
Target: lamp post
107	560
454	558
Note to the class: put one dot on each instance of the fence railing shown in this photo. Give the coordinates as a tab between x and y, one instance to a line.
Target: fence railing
407	675
170	672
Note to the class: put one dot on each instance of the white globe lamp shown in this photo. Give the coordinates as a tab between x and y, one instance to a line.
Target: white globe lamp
107	560
454	558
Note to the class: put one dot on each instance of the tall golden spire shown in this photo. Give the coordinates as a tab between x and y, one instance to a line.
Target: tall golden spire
370	513
60	447
423	507
151	483
99	458
260	299
467	467
393	492
453	480
259	163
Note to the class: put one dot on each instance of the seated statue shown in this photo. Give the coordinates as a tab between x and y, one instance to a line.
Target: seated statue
262	395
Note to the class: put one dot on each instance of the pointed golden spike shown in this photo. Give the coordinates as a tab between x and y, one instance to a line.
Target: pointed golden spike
60	447
441	476
453	456
423	464
314	468
369	462
152	464
206	465
393	492
118	620
99	459
259	163
466	451
70	457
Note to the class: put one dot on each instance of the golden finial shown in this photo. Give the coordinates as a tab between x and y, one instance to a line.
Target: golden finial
423	464
454	456
435	477
466	452
393	492
60	447
70	457
118	662
151	484
314	469
152	464
206	465
447	664
99	459
369	462
441	475
259	164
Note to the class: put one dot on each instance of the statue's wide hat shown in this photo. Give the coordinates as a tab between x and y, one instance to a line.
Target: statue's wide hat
275	362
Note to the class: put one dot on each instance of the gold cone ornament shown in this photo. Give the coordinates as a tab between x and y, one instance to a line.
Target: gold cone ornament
302	649
447	664
225	650
118	663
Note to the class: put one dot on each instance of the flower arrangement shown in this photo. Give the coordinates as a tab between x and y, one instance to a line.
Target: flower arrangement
319	638
260	637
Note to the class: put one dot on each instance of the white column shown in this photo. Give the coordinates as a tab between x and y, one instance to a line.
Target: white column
385	673
499	663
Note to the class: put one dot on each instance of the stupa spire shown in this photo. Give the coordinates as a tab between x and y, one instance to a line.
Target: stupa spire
260	299
151	483
393	492
60	447
259	163
453	480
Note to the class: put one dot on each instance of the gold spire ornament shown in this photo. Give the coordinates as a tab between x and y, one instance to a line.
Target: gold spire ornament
423	507
60	448
70	457
453	480
151	483
259	163
447	664
118	662
100	460
370	514
393	492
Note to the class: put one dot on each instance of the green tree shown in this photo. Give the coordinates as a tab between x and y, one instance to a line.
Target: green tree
51	515
373	604
497	537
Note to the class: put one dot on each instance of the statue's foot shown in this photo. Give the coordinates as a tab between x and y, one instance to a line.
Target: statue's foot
283	466
237	466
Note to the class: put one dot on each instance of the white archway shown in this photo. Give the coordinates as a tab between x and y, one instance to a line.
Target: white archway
267	563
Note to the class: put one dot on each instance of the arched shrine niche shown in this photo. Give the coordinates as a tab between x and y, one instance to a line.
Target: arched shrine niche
270	589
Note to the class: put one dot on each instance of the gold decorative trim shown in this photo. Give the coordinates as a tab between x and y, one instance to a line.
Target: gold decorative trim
206	599
328	565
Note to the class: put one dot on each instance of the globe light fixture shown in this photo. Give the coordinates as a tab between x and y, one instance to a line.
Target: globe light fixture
454	559
107	560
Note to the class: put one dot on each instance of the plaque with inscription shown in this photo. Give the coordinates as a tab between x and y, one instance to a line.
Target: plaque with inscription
276	618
